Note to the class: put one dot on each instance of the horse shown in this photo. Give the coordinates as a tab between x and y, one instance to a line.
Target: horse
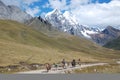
48	67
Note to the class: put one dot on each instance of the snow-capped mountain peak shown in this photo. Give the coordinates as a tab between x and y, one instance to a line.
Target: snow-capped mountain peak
55	11
68	23
70	17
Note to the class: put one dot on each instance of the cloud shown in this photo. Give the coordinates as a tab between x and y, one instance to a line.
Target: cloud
33	11
47	5
62	4
57	4
19	2
90	13
28	2
104	14
12	2
86	12
25	5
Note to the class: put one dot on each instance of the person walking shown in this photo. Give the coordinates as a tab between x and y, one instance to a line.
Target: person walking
63	63
79	62
73	63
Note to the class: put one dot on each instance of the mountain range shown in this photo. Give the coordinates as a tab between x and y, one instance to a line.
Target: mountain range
106	35
37	40
13	13
18	42
56	21
113	44
66	22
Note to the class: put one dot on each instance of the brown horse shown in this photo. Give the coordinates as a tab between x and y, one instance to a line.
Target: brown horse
48	67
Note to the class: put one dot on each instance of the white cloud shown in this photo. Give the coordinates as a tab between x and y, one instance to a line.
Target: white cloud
33	11
12	2
105	14
24	4
30	1
91	14
62	4
77	3
46	5
19	2
58	4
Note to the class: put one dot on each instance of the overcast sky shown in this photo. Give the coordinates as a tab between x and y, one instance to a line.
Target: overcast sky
88	12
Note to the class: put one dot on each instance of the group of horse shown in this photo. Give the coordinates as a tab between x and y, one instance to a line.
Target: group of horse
63	64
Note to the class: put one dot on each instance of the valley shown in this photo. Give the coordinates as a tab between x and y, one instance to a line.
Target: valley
18	43
29	42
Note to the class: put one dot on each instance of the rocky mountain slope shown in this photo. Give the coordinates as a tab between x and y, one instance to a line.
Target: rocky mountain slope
66	22
114	44
106	35
45	27
13	13
40	24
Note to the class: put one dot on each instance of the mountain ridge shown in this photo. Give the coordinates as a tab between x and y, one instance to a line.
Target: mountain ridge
21	41
108	34
68	24
113	44
13	13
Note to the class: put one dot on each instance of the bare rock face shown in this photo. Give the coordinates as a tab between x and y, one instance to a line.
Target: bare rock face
13	13
114	44
106	35
3	11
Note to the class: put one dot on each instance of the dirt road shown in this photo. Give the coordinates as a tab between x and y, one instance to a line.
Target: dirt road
60	70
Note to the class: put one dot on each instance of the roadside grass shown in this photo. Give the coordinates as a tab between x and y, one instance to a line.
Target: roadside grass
109	68
12	53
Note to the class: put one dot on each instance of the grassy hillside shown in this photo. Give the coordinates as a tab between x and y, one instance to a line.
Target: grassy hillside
44	27
114	44
18	42
110	68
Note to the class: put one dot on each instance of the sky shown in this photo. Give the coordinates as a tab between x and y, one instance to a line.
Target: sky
88	12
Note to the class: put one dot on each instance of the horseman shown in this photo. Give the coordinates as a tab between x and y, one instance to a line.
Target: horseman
63	64
48	67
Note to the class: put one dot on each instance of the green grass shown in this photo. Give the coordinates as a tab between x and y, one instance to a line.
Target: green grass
111	68
18	42
114	44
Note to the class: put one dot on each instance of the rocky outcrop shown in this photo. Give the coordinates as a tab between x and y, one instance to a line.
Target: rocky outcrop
114	44
13	13
106	35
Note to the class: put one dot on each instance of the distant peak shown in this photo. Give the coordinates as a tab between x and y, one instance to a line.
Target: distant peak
1	3
111	28
55	11
108	27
